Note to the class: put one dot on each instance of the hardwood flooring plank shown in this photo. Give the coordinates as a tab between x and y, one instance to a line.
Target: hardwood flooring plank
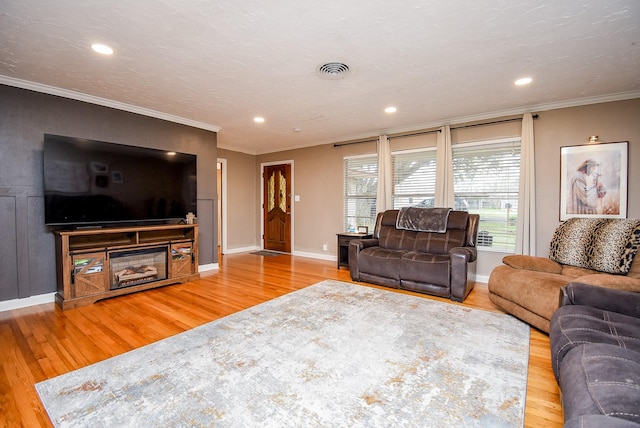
18	382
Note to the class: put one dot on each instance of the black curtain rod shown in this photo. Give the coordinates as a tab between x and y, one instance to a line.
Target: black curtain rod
434	131
535	116
354	142
515	119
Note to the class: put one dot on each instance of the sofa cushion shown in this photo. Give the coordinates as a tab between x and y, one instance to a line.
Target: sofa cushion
607	280
439	243
394	239
426	268
575	272
571	241
634	270
604	245
615	244
539	264
574	325
380	261
601	379
598	421
535	292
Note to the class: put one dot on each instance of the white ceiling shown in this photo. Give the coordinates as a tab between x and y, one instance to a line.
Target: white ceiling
217	64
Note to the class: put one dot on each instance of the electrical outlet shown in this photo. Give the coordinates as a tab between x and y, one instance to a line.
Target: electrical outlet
324	247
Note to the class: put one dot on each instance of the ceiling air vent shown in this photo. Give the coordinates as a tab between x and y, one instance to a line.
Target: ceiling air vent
333	70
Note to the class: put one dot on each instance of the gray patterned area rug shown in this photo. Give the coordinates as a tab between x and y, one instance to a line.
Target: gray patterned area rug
330	355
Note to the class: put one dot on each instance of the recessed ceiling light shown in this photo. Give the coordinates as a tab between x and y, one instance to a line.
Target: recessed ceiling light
171	153
102	49
523	81
258	119
390	110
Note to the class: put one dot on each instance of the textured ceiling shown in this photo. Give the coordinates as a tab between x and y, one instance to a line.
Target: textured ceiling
217	64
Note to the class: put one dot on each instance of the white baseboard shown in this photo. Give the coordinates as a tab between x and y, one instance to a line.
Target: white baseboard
482	278
315	256
293	253
208	267
241	250
39	299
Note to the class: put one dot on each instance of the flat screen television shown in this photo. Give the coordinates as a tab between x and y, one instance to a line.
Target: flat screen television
95	183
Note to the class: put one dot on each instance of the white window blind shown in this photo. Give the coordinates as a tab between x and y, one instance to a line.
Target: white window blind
486	177
413	178
360	189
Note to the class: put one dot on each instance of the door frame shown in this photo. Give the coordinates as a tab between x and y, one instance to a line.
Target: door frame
223	211
261	205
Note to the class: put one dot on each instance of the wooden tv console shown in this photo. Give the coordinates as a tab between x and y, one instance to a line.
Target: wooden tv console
94	264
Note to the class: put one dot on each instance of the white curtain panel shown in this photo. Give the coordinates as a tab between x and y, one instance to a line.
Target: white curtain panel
526	227
444	169
384	201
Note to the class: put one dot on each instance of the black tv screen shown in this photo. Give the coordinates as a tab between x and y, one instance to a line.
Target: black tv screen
90	182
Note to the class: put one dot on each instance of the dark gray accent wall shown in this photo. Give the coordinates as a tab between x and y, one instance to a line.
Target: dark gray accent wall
27	250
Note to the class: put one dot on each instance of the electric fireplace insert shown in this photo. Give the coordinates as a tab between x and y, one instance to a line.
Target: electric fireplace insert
135	267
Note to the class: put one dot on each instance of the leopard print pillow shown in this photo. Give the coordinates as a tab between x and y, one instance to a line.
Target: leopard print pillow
572	240
615	244
605	245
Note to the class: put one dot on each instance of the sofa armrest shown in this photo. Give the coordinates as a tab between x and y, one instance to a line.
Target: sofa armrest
460	258
538	264
619	282
606	299
364	243
355	246
468	253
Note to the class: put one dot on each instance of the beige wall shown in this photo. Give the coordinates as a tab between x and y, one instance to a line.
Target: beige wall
317	180
619	121
318	175
243	200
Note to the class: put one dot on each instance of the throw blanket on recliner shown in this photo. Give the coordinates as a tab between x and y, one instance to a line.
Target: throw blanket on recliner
423	219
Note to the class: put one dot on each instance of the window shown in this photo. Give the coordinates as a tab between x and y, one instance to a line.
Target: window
486	176
360	191
413	178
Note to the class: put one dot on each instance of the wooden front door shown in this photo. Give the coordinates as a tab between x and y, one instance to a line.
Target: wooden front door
277	207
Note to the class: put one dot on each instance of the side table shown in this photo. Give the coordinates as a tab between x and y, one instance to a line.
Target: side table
343	246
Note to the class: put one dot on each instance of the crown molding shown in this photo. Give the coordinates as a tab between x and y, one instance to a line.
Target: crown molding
51	90
78	96
469	119
513	112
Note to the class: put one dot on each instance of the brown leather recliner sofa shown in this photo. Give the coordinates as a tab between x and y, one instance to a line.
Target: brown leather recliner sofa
600	252
439	263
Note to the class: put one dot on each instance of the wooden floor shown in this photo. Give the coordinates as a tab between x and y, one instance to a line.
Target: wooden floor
40	342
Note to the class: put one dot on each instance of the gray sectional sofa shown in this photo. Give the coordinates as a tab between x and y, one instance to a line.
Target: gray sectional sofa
595	352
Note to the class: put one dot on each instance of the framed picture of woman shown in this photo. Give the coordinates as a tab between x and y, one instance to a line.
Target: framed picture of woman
593	180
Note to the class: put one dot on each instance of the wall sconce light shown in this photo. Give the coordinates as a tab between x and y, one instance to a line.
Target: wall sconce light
593	139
